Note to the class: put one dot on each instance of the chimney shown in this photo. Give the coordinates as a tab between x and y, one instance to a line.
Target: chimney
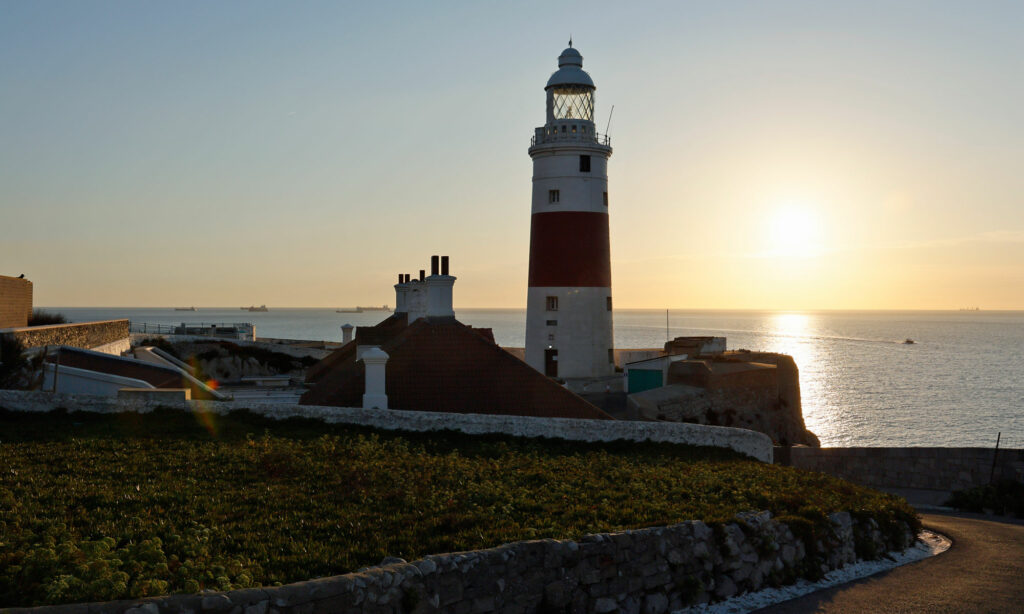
444	265
433	266
375	396
423	274
439	291
401	294
346	333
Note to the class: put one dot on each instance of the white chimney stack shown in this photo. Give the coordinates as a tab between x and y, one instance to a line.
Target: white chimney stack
375	360
439	289
402	294
346	333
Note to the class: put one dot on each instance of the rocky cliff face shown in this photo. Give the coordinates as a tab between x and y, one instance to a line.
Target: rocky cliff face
759	391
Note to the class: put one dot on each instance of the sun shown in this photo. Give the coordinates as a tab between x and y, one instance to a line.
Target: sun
794	230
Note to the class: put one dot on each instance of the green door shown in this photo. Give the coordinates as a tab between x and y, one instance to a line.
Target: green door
644	379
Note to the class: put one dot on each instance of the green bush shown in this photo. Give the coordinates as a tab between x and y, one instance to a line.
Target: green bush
99	506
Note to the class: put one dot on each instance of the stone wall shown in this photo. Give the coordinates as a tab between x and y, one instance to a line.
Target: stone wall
86	335
755	445
15	302
940	469
651	571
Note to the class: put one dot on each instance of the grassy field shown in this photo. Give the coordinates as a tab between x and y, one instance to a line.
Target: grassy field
96	507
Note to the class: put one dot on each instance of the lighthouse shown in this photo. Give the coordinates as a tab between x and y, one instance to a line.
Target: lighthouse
569	301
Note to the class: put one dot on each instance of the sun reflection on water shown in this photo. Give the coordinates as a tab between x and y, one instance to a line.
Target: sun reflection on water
799	335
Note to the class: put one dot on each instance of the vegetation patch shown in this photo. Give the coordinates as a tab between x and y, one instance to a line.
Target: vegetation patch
1005	497
99	506
41	317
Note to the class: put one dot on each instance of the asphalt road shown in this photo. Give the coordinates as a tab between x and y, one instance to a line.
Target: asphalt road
983	571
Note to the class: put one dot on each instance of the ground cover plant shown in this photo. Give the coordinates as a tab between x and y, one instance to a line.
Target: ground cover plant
96	507
1005	497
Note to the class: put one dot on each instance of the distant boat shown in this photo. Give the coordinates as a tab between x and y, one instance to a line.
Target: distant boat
909	341
356	310
184	308
381	308
255	308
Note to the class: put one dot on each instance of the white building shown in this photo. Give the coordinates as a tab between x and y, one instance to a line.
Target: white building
569	303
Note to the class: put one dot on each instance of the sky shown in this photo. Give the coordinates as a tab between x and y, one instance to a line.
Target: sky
767	155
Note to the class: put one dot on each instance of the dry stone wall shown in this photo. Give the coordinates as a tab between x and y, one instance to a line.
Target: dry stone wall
941	469
648	571
86	335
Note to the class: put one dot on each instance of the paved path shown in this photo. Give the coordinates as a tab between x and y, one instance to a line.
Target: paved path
982	572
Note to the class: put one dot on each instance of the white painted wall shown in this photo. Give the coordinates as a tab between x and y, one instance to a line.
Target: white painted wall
559	169
751	443
114	348
583	335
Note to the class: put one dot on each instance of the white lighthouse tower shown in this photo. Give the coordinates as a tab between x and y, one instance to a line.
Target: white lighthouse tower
569	304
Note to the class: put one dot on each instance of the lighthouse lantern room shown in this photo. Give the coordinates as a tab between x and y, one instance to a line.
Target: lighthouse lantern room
569	301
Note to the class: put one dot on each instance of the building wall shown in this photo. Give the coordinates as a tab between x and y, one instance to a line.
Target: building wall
15	302
582	336
570	258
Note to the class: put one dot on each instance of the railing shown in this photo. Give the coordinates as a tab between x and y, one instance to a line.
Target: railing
208	329
571	137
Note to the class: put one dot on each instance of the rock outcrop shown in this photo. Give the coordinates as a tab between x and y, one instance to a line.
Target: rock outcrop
759	391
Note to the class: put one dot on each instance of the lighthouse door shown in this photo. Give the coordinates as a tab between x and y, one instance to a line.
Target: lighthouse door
551	363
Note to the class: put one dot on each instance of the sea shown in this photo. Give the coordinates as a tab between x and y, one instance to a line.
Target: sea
961	383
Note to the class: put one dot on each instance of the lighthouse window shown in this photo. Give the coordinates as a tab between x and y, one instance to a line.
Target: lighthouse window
606	199
552	322
584	164
552	303
611	355
609	302
552	196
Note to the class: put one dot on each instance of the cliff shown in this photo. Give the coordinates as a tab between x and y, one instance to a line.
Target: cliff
759	391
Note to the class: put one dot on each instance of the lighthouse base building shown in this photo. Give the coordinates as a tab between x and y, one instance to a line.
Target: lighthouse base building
569	301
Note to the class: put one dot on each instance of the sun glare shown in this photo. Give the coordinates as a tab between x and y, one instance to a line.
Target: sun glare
794	231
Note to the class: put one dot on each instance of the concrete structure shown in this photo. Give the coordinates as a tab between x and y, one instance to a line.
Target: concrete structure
375	360
346	333
15	301
72	380
646	374
569	301
696	346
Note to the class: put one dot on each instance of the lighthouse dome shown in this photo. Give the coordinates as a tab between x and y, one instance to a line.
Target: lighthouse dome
570	71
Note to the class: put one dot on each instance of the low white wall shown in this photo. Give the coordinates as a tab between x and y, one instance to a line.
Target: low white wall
751	443
114	348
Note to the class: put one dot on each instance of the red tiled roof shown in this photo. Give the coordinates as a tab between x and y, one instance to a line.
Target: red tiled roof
439	364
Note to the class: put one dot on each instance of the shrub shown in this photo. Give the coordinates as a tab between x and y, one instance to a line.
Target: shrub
41	317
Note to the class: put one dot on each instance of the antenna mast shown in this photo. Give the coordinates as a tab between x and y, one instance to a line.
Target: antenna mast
609	125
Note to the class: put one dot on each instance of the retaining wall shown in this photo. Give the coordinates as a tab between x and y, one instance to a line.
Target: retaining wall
648	570
753	444
86	335
940	469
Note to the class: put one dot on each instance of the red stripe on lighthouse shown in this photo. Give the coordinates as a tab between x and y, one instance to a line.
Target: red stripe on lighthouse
570	248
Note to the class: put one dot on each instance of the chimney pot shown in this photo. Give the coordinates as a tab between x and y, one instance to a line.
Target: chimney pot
444	265
433	265
423	274
399	278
